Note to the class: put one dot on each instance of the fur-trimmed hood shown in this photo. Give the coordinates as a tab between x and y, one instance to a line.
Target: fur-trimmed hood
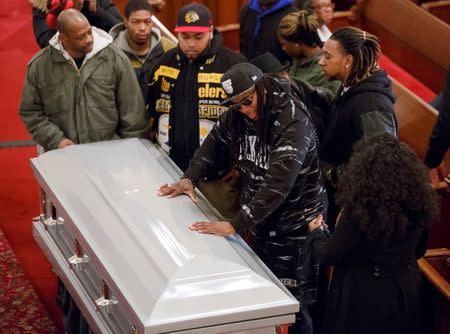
40	4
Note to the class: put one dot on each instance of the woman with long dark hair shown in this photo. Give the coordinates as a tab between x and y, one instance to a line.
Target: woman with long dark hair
387	205
272	143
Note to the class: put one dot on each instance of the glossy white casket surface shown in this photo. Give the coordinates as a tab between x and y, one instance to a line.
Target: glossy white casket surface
168	277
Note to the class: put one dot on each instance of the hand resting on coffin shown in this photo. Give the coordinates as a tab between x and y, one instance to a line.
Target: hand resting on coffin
182	186
222	228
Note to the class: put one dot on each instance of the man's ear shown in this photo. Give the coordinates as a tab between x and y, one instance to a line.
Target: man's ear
348	61
125	22
211	34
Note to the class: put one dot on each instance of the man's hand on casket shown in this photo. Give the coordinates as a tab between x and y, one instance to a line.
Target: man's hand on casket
183	186
222	228
65	142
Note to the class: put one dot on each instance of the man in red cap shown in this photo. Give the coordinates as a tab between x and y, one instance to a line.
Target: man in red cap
184	94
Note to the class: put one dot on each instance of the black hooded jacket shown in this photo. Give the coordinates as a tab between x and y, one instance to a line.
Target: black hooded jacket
282	191
184	98
106	17
364	110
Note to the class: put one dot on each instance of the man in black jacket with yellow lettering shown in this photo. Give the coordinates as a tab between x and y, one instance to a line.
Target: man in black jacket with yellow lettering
185	93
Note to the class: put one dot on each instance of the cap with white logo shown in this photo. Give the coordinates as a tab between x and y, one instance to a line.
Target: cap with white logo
239	79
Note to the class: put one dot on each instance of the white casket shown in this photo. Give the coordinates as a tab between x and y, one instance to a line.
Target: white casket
128	258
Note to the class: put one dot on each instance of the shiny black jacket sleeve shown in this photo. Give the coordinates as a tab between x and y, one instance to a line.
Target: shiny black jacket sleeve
289	149
218	141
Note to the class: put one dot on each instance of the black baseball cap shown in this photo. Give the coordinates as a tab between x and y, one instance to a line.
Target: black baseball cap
239	79
194	17
269	64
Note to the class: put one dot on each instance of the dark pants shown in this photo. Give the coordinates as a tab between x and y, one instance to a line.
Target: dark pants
73	320
293	264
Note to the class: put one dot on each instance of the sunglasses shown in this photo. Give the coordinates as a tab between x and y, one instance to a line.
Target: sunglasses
247	101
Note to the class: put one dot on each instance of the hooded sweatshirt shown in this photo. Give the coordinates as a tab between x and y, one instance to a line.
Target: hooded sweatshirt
258	32
141	65
360	111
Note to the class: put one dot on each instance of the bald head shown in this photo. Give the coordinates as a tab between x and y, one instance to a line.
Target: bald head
68	18
75	33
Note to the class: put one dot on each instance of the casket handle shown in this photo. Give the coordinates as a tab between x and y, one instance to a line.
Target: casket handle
105	302
50	223
78	259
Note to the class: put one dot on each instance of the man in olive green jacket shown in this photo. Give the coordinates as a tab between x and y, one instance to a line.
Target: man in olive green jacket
81	89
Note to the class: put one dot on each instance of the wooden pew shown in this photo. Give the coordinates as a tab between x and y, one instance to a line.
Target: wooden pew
440	9
415	123
413	38
435	266
342	19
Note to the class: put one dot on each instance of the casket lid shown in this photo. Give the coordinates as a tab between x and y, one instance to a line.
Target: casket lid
171	278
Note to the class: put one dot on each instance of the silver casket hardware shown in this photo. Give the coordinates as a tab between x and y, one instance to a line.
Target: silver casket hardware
50	223
105	302
78	259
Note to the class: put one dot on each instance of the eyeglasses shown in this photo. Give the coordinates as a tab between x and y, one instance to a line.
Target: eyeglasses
247	101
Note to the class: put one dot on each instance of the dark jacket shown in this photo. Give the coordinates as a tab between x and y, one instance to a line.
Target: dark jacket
376	284
183	98
440	138
106	17
364	110
280	193
258	29
142	67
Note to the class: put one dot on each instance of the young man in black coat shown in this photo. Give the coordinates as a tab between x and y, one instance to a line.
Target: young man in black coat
184	94
271	141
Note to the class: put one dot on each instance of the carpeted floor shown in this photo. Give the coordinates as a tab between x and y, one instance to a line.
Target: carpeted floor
21	311
19	194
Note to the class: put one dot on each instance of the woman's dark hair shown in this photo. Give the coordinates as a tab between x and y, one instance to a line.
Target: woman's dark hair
386	189
300	27
365	49
266	90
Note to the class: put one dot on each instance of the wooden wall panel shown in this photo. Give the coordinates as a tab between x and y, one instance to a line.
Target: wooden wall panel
411	37
440	9
224	12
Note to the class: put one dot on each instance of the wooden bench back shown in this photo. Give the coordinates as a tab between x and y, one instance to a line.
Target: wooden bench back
440	9
416	119
413	38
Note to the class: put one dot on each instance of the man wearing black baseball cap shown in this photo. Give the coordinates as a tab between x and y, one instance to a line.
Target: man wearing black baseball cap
184	96
271	142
